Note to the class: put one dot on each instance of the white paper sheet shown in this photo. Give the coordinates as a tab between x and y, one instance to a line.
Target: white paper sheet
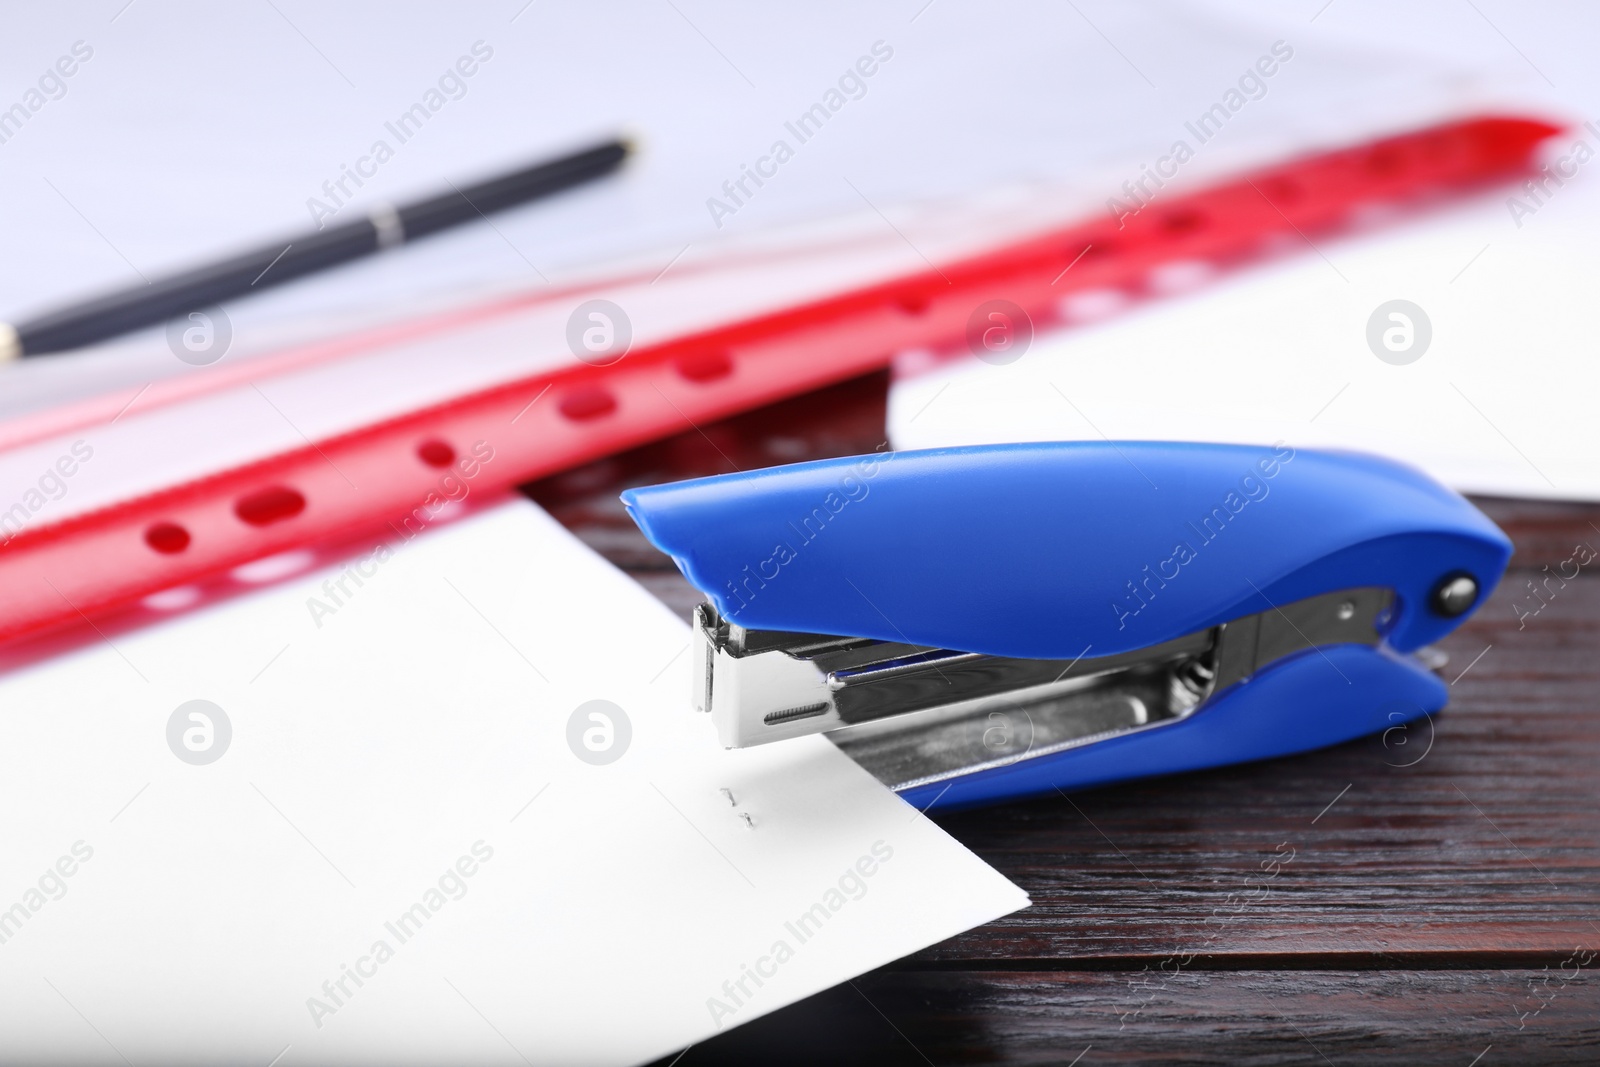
1499	402
400	738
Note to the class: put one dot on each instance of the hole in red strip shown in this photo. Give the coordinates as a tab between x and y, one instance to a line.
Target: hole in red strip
587	402
913	305
1384	161
272	504
436	453
1281	190
705	366
167	537
1182	221
1437	146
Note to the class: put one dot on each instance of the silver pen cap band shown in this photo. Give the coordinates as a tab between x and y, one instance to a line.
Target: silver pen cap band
10	343
386	220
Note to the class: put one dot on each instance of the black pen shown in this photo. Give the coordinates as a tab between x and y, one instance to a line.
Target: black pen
128	309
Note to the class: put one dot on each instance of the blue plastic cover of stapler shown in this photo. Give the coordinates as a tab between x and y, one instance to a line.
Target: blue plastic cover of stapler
1039	550
1060	550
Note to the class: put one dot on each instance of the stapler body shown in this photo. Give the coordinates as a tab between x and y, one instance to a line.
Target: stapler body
976	624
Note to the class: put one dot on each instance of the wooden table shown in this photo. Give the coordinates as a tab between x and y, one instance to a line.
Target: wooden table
1428	896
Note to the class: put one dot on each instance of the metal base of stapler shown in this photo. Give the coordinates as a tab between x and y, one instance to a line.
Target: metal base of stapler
912	715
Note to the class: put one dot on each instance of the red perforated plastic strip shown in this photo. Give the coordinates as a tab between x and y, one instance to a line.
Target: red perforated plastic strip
334	488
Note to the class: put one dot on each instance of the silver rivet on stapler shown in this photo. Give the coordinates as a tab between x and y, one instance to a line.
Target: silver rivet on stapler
1454	595
1347	610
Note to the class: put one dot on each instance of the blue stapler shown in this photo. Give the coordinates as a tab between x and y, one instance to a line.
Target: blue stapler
977	624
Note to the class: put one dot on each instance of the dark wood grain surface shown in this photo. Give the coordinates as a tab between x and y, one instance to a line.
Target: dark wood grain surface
1431	895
